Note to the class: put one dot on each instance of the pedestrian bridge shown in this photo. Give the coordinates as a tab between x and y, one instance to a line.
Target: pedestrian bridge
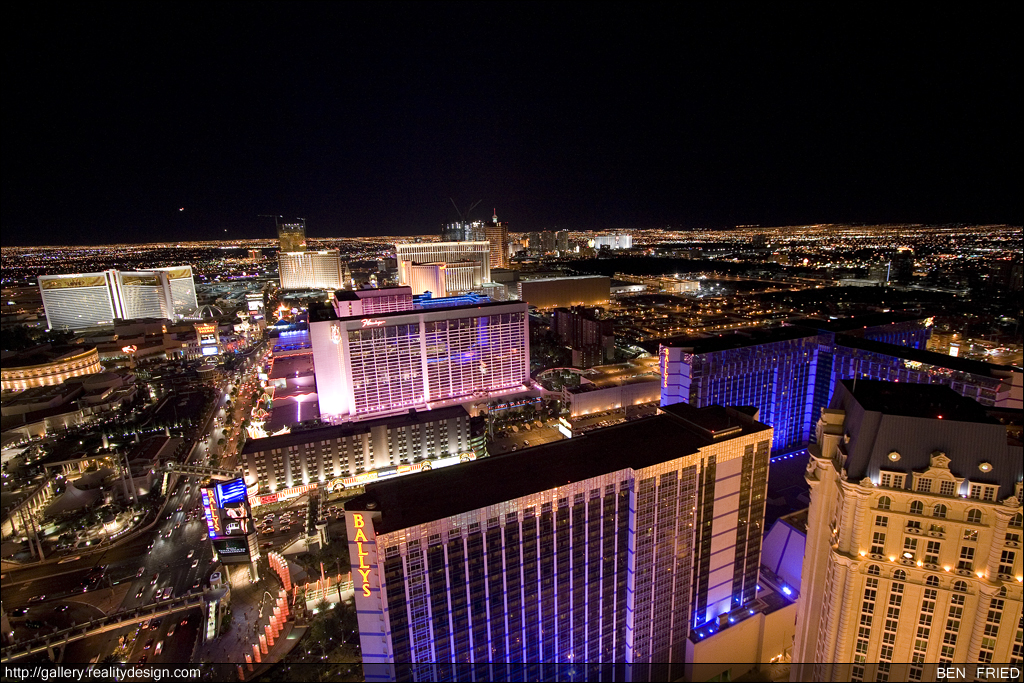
112	622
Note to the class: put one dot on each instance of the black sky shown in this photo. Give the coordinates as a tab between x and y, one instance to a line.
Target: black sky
366	118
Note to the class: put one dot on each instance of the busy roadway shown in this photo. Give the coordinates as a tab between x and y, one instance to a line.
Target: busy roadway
167	559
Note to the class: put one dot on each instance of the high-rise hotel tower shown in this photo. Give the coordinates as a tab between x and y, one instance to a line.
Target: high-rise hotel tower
382	363
599	551
913	554
89	299
444	268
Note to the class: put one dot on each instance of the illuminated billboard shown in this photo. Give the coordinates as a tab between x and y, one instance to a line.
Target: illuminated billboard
232	550
226	509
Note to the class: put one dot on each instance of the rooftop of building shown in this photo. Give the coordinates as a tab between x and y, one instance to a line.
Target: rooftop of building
358	294
325	312
351	428
733	340
679	431
860	321
43	354
917	420
942	360
565	277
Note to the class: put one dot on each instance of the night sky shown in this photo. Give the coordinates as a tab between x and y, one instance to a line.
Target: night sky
365	119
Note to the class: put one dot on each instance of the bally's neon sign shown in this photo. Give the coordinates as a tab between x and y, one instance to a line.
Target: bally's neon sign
367	322
364	569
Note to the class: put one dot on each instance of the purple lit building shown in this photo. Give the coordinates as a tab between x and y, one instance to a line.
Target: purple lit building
598	558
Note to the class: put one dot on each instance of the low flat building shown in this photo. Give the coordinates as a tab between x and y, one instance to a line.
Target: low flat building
339	452
47	365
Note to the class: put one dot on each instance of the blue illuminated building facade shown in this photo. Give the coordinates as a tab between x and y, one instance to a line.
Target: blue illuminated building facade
789	373
593	558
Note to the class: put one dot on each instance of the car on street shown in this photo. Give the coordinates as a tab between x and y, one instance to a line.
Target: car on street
140	592
156	577
62	608
160	647
138	574
195	563
149	644
37	598
191	552
170	631
20	612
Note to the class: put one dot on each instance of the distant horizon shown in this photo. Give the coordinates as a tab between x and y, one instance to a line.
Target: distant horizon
386	237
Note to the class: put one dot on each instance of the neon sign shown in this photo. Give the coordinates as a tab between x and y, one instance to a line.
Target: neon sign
212	520
367	322
364	569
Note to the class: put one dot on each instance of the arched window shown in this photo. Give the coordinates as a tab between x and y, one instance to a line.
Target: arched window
1002	592
960	586
916	507
939	511
899	575
1017	521
884	502
974	516
932	581
873	570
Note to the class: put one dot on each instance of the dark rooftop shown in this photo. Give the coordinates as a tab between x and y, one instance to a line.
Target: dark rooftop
351	428
42	354
859	322
419	498
941	360
917	420
733	340
933	401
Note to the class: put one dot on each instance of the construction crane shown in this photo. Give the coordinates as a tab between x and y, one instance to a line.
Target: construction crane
464	217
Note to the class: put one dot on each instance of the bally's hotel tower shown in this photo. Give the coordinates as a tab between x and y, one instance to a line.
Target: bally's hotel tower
577	558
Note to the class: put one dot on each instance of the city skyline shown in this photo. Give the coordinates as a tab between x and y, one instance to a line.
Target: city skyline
512	341
607	120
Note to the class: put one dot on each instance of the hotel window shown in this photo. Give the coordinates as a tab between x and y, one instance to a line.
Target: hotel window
881	520
970	534
974	516
924	485
939	511
1017	521
931	555
947	488
976	491
966	562
989	494
909	548
1006	562
884	502
878	543
916	507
